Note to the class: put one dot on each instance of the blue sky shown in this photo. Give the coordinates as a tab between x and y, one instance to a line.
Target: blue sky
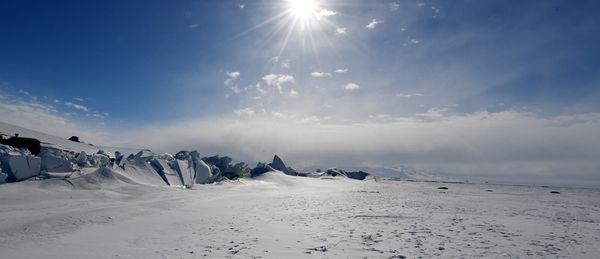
352	82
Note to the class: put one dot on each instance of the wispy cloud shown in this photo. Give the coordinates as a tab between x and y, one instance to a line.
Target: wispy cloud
352	87
245	112
23	92
78	99
410	95
278	80
373	23
325	12
434	113
394	6
293	93
261	90
286	64
320	74
340	30
96	115
341	70
193	26
231	77
76	106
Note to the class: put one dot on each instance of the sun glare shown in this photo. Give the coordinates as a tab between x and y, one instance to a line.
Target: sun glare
302	9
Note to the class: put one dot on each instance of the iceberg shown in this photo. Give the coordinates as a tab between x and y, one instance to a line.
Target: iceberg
260	169
278	165
18	164
101	159
81	159
142	172
56	160
144	155
186	172
203	172
166	170
3	176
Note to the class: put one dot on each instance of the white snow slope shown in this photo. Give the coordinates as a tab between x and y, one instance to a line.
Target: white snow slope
63	143
104	215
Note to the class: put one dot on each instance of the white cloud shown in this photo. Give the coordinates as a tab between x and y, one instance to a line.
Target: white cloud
234	74
380	116
310	119
320	74
260	90
231	77
236	89
286	63
245	112
352	87
421	4
278	80
394	6
293	93
341	71
78	99
409	95
373	23
414	41
434	113
242	6
340	30
325	12
279	115
96	115
33	97
76	106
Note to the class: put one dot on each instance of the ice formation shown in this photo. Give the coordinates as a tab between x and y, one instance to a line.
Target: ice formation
185	168
18	164
56	160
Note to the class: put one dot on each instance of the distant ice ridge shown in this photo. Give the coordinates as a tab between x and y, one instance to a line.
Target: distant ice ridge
184	169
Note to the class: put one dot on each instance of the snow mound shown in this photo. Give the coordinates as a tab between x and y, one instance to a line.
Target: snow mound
100	178
278	178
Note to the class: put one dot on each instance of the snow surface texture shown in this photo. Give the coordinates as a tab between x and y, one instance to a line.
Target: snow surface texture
103	214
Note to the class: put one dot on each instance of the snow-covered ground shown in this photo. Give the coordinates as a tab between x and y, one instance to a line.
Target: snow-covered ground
99	215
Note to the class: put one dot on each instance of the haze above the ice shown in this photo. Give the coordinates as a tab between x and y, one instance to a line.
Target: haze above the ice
499	91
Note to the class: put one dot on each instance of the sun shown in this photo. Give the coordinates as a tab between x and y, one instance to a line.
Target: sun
302	9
